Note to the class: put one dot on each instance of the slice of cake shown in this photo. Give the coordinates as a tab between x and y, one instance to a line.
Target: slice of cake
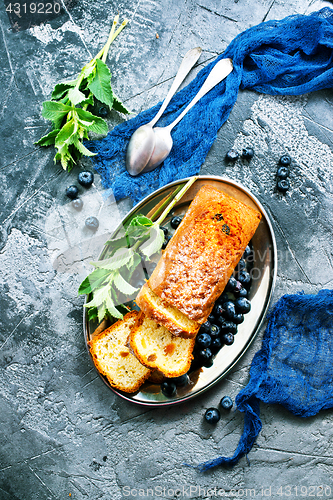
113	358
156	348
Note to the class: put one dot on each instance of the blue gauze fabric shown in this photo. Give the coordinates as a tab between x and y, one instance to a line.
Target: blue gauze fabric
293	367
288	57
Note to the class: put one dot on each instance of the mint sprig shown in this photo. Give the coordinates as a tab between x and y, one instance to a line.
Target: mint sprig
109	282
67	109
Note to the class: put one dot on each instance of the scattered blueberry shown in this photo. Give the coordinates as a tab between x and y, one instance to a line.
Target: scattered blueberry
205	354
227	326
181	381
242	292
232	155
226	403
72	192
245	278
285	160
169	389
165	242
227	338
247	252
203	340
242	305
218	309
175	221
283	185
215	331
212	415
229	310
283	172
248	153
205	327
238	319
103	111
77	204
241	265
231	285
92	223
216	345
165	230
86	178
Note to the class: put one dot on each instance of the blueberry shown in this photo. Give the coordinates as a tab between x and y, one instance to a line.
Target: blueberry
285	160
223	297
232	155
227	326
247	252
231	285
203	340
215	331
166	241
229	310
92	223
244	278
181	381
216	345
283	172
205	354
86	178
283	185
77	204
212	415
242	305
248	153
227	338
241	265
211	318
242	292
226	403
72	192
103	111
218	309
169	389
238	319
205	327
165	230
175	221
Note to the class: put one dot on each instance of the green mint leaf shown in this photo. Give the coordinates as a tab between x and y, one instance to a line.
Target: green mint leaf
141	220
122	285
100	85
112	309
62	88
95	279
65	135
92	313
75	96
48	139
55	112
101	312
99	296
119	106
133	263
98	125
88	100
81	148
88	70
155	242
119	259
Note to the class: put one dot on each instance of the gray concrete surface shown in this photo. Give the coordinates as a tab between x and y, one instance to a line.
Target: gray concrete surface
63	432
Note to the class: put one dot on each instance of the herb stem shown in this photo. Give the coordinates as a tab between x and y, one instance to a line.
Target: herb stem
166	202
178	196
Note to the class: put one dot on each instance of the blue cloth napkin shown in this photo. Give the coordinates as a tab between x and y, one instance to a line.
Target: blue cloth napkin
293	367
288	57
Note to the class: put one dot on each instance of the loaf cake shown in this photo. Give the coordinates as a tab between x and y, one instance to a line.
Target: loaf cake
156	348
113	358
198	261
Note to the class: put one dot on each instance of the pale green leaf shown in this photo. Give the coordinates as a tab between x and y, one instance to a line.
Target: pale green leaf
81	148
62	88
55	112
122	285
48	139
119	259
100	85
95	279
155	242
76	96
112	309
98	125
119	106
65	135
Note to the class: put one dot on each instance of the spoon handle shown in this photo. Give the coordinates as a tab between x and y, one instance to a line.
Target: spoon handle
220	71
188	62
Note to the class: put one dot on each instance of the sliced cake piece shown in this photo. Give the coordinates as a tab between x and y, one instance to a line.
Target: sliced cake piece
163	313
113	358
156	348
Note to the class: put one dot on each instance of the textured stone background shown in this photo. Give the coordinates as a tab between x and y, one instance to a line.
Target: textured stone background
63	432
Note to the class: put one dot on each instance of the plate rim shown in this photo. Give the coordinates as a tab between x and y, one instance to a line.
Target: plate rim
127	397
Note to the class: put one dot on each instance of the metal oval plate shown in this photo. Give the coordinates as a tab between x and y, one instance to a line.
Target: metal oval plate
263	280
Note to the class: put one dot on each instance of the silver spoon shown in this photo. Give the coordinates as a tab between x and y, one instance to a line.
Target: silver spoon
163	139
141	144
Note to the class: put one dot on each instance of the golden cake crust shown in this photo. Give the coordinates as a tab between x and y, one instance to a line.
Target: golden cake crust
203	252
